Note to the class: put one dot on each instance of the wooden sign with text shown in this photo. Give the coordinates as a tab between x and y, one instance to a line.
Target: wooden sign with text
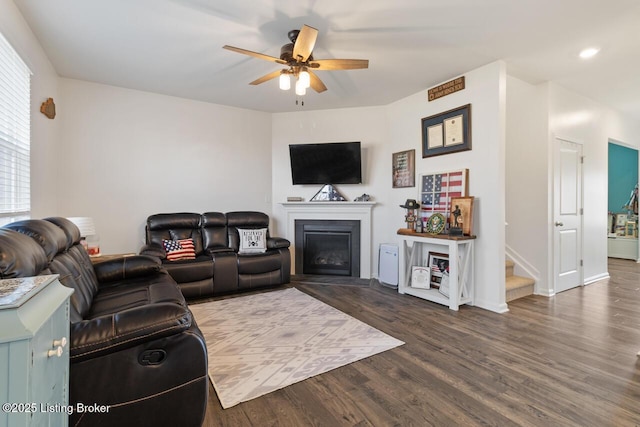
446	88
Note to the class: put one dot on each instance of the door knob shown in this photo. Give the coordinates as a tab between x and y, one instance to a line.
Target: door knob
559	224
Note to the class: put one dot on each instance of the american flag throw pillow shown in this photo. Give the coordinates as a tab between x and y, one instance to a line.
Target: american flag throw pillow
179	249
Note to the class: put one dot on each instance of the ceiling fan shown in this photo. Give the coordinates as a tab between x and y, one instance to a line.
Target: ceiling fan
297	56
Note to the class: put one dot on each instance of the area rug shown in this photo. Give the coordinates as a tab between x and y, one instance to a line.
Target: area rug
263	342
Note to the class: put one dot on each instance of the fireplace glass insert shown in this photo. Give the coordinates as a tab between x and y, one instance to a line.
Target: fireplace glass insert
328	247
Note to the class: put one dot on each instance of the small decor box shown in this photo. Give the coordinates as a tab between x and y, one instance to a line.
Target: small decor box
420	277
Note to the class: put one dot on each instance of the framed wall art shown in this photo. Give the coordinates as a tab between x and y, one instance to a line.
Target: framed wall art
448	132
437	189
404	169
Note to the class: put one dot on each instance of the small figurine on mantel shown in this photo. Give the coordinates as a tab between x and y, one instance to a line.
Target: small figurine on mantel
411	205
456	230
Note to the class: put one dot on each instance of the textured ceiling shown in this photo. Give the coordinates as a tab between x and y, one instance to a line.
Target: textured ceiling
174	47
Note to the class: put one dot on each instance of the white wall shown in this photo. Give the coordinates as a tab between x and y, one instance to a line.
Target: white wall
367	125
527	179
584	121
396	127
126	154
44	132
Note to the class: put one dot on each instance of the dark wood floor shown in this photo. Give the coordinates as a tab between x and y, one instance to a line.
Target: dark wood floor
569	360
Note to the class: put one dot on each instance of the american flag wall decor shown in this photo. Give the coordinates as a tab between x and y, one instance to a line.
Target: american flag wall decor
437	189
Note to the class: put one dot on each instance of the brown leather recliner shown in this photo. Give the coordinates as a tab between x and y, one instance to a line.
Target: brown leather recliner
134	345
219	267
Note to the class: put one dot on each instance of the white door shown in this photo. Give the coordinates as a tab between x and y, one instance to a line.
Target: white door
567	220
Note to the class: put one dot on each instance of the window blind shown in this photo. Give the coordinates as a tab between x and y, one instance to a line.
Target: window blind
15	135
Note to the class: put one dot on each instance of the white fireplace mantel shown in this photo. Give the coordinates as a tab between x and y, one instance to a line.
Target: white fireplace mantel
355	211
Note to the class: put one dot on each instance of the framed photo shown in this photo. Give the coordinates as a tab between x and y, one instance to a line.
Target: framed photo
447	132
437	189
404	169
462	207
420	277
438	268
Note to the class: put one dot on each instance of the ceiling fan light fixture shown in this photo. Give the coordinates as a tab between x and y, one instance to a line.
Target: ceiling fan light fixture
305	78
301	90
285	80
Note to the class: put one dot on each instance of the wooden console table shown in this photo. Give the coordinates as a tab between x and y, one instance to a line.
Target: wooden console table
414	252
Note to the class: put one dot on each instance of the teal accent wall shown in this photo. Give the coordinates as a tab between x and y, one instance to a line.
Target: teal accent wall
623	175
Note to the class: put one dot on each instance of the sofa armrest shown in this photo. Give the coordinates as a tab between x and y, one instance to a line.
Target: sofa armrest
218	249
277	243
114	332
127	268
153	249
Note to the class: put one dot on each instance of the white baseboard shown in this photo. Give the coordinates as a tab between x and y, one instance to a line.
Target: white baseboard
496	308
596	278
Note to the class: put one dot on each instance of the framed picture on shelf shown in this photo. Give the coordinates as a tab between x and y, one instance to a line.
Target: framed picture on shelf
463	206
404	169
447	132
420	277
438	268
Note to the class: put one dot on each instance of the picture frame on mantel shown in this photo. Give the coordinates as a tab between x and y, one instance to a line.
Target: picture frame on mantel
446	133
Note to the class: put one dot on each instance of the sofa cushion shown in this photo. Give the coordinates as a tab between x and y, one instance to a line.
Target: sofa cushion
49	236
259	263
190	270
244	220
252	240
20	255
69	228
137	292
71	263
175	227
214	231
178	250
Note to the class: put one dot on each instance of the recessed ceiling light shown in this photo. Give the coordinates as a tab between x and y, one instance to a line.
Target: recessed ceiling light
589	52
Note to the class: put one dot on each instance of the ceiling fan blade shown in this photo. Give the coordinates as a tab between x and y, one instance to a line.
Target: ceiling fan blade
304	43
316	83
339	64
254	54
266	78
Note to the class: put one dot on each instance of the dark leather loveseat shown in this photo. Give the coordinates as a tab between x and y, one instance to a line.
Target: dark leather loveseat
219	266
133	343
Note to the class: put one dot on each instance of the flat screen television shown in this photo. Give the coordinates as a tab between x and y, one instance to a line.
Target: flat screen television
326	163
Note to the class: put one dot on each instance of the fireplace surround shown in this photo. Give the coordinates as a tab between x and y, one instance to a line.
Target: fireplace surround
327	210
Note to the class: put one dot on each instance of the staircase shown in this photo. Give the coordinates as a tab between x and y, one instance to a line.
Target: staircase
517	286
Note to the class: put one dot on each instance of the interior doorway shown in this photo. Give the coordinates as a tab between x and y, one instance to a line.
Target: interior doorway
622	222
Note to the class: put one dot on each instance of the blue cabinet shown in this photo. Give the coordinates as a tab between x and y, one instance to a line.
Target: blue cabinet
34	357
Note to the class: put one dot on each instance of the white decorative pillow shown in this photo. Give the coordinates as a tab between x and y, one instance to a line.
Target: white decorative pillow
252	240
